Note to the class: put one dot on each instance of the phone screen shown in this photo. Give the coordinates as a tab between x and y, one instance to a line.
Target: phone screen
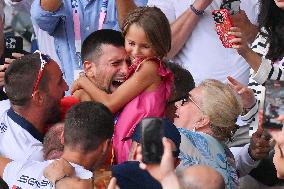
152	145
273	104
13	44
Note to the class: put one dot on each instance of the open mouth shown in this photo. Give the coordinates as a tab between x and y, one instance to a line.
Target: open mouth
116	83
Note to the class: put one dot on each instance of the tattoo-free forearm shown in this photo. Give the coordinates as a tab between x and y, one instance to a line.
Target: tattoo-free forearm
123	8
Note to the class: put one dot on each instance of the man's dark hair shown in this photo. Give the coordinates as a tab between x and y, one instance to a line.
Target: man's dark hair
87	125
183	80
20	78
91	48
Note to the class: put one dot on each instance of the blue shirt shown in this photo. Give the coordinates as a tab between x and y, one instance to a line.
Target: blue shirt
129	176
59	24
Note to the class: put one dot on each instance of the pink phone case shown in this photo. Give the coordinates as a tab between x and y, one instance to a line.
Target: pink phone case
223	24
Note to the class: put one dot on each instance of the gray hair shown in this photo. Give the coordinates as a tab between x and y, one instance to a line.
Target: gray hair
221	104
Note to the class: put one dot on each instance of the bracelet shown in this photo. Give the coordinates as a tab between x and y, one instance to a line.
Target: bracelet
195	11
57	180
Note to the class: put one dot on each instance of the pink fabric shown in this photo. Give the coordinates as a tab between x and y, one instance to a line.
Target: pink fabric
147	104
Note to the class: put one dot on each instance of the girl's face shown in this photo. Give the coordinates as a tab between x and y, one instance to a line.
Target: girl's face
280	4
137	44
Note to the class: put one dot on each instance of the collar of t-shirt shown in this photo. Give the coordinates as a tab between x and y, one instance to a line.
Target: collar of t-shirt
22	122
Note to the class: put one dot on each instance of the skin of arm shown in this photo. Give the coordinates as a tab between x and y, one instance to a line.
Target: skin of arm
3	163
140	81
123	8
50	5
74	183
241	45
183	27
82	95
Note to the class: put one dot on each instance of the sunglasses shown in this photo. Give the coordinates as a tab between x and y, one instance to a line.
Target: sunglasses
188	98
44	59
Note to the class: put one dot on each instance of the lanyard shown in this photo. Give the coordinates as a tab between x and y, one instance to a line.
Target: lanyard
77	23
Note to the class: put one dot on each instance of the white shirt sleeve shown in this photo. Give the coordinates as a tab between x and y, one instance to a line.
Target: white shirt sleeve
244	162
10	171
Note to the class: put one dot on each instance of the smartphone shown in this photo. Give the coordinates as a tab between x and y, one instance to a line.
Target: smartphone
223	24
13	44
273	104
152	133
233	6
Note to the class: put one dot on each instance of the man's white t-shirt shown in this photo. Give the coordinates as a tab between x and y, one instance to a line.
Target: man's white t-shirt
19	140
29	174
203	53
4	105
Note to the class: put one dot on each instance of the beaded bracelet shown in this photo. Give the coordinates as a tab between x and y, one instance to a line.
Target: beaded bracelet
195	11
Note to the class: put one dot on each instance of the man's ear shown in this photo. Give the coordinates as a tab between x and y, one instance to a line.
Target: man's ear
62	138
106	145
37	97
87	68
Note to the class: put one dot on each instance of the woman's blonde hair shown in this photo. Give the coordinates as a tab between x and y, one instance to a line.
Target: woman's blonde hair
221	104
155	25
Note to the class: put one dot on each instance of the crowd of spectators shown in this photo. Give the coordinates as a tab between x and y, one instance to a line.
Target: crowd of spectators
74	109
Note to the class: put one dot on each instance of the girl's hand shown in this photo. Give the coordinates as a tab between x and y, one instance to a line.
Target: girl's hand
240	42
78	83
58	169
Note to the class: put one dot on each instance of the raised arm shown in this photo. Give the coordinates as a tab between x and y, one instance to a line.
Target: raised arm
140	81
183	27
123	8
47	14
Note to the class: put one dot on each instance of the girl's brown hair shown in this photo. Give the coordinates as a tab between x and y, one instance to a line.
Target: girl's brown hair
155	25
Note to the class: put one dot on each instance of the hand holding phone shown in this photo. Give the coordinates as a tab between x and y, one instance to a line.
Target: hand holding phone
273	104
223	24
151	140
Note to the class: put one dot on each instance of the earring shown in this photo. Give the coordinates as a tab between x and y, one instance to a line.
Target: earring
194	129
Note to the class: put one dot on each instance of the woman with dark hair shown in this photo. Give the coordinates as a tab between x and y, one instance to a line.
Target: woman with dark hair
266	59
265	55
269	42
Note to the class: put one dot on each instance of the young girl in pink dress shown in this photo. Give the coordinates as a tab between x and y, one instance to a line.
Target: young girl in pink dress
148	86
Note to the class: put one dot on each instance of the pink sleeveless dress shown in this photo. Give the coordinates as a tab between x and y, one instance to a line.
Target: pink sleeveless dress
147	104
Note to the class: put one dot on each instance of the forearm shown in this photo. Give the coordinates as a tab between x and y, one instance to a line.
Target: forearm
253	33
170	181
244	162
74	183
50	5
97	94
182	29
253	59
123	8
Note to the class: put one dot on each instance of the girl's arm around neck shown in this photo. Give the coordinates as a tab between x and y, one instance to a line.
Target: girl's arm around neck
143	79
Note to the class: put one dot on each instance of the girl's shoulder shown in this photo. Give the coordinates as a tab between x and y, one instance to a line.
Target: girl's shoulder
138	62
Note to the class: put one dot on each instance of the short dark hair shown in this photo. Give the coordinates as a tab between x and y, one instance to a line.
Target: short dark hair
91	47
20	78
183	80
87	125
